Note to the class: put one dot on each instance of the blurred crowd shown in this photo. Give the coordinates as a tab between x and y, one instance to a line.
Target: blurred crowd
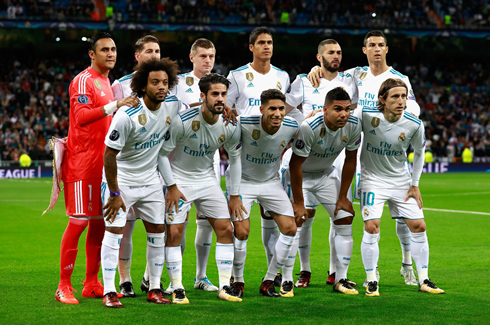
421	14
35	104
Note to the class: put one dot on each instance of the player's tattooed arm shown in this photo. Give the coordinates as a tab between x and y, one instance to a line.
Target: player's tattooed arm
296	175
114	203
348	171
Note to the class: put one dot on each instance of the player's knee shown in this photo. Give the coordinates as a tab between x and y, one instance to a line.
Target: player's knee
241	233
371	227
289	229
418	226
174	234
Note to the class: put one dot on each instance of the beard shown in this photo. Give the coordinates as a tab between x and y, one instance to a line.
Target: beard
328	67
214	110
153	98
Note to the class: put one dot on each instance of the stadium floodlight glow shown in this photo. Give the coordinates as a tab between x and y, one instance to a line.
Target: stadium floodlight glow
57	39
373	14
84	39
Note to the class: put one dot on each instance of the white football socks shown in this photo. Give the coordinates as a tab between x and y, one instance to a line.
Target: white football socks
239	259
404	235
224	260
173	257
343	245
155	257
126	253
370	254
109	255
270	233
288	269
305	245
281	254
203	241
333	251
420	254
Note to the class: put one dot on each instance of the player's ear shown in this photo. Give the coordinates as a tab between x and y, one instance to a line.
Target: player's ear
137	57
319	58
363	50
251	47
191	57
387	48
261	110
91	54
203	96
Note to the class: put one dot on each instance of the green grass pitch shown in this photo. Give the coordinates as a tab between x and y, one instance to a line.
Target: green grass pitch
459	264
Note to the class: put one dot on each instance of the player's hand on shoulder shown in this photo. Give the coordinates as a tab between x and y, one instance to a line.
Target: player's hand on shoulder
315	75
236	208
229	116
415	193
111	208
128	101
343	203
313	113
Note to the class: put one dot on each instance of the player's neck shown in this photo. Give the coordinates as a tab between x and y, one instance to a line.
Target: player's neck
102	71
262	67
329	75
378	68
268	128
198	74
209	117
390	117
152	106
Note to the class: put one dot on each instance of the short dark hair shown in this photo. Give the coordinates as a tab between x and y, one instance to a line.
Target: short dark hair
325	42
270	94
95	38
143	69
212	79
337	93
375	33
201	42
385	88
140	43
256	32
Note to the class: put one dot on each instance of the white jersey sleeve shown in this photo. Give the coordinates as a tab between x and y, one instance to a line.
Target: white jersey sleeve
118	132
233	89
296	95
121	88
304	140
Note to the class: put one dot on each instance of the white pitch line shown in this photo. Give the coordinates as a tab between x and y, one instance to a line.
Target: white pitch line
455	194
444	210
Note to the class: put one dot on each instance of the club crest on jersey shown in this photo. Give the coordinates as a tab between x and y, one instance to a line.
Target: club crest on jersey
142	119
366	213
402	137
375	122
221	138
323	131
249	76
344	139
189	81
98	84
283	144
279	86
196	125
168	121
256	134
82	99
363	75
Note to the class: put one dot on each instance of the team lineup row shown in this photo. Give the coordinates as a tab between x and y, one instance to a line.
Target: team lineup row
148	131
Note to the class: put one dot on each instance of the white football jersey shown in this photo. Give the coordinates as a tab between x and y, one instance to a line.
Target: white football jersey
368	87
321	145
261	151
121	88
187	90
139	134
246	85
311	98
384	148
194	143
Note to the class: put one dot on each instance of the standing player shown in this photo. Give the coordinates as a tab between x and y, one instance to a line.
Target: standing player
130	168
368	80
264	138
202	56
315	180
388	132
146	48
194	138
91	102
246	85
312	98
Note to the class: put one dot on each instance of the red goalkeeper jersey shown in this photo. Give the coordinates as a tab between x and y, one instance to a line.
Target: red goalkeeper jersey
83	159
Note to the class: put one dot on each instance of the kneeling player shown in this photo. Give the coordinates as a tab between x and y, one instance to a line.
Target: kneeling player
264	138
194	138
314	179
130	162
388	132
